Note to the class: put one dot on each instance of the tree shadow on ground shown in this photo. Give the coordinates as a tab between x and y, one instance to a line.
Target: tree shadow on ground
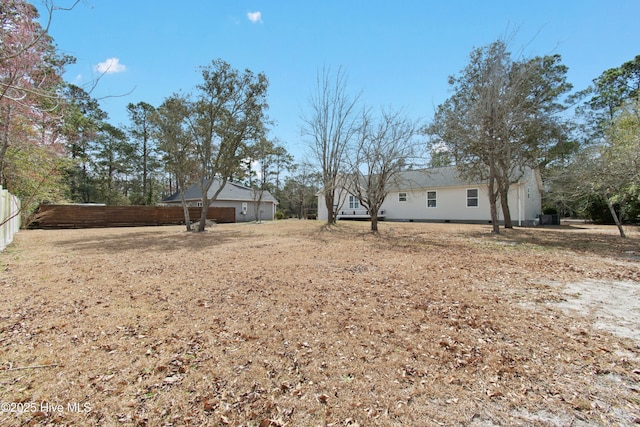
151	240
596	241
584	238
390	235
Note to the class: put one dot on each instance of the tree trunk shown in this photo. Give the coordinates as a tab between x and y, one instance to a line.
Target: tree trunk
257	198
493	201
331	213
505	206
5	145
146	198
185	208
494	214
187	217
203	214
301	210
204	191
616	219
373	214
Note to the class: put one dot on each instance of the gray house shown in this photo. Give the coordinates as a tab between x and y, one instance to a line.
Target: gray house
441	195
249	204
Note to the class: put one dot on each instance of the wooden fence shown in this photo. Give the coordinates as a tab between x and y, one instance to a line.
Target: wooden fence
9	217
92	216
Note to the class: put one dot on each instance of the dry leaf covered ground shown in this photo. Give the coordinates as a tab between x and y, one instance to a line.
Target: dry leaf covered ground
289	324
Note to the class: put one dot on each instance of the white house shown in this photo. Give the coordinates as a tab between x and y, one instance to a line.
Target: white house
242	198
441	195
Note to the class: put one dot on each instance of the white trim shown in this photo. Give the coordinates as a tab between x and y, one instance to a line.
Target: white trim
354	203
466	192
434	199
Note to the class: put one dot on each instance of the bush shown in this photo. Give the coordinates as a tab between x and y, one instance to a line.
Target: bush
598	211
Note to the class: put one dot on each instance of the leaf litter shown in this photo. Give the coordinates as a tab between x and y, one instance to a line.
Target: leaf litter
286	324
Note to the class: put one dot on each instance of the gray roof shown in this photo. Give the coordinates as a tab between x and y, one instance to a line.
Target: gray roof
230	191
447	176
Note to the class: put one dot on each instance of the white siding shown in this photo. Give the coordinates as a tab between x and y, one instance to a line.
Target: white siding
451	204
525	201
323	213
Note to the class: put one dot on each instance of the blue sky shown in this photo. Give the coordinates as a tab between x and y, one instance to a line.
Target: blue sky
398	53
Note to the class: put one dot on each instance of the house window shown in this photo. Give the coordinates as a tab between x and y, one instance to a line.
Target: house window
199	204
353	202
244	208
431	199
402	197
472	198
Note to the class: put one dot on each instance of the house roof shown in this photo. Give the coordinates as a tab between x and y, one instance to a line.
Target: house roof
429	178
230	191
447	176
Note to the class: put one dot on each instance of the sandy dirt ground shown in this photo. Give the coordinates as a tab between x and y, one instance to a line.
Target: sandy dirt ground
614	305
291	324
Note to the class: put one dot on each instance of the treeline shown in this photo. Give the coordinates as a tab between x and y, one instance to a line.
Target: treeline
506	114
57	145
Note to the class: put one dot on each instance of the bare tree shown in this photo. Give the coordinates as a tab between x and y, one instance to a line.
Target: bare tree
169	123
610	170
332	124
613	116
384	148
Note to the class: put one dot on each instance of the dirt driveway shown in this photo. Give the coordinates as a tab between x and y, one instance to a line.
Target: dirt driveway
290	324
